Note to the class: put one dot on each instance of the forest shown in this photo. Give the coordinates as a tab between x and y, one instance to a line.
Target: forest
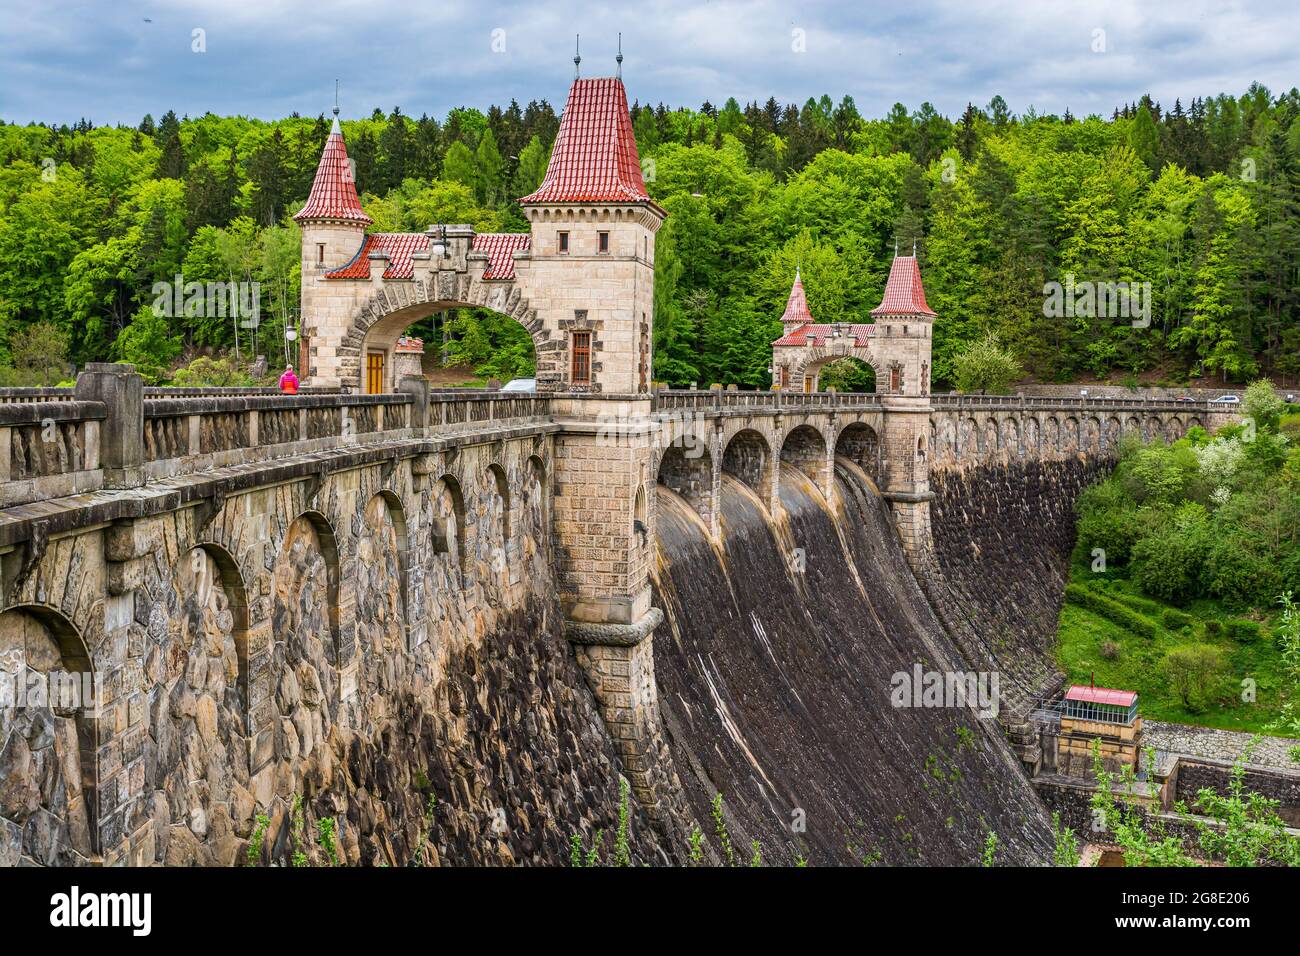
1201	201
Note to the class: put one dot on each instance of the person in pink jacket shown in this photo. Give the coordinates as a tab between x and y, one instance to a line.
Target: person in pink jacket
289	381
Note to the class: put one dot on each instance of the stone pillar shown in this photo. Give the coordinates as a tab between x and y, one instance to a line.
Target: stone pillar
602	460
620	667
417	386
407	355
905	472
121	447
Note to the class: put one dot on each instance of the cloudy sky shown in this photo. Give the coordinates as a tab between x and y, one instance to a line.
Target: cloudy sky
114	61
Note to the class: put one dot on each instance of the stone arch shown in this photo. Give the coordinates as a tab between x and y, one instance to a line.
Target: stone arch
1052	434
990	444
1011	437
392	309
496	501
1152	428
970	439
748	458
48	749
447	526
945	439
309	655
1090	436
199	658
1173	429
1114	428
1033	433
859	443
1194	422
805	447
810	361
382	614
688	470
1133	426
1070	435
535	511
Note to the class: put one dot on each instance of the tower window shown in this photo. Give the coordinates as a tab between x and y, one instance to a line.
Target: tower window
580	374
603	242
564	242
320	253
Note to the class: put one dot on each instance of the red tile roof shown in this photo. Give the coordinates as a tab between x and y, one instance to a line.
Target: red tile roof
1101	695
796	307
401	246
819	334
500	247
595	157
903	291
333	191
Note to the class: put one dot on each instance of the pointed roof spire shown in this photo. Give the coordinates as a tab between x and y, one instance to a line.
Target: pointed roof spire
904	294
595	157
577	56
796	306
333	194
619	59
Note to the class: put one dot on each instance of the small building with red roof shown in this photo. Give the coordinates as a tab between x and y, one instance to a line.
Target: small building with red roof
896	344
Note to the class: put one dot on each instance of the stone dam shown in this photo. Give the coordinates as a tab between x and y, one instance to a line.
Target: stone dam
371	607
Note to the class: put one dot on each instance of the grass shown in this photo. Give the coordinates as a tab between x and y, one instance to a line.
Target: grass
1138	666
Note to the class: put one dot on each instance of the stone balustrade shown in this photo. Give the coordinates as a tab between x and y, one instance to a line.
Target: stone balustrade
48	448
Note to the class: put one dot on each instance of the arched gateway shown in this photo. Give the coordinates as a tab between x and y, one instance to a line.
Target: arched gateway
581	280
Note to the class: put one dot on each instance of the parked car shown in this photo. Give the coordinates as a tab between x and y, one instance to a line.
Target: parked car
520	385
1225	400
1184	398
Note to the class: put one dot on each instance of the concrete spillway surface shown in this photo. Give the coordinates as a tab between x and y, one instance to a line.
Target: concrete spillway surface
774	668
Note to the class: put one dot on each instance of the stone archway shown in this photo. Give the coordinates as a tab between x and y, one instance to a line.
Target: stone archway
810	361
393	308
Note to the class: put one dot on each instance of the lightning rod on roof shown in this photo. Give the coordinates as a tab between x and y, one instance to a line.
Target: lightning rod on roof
336	97
577	56
619	59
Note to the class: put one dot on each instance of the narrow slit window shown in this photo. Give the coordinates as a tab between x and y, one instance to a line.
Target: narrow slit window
603	242
564	242
581	372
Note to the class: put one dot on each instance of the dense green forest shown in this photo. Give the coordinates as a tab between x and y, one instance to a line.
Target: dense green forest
1185	572
1201	201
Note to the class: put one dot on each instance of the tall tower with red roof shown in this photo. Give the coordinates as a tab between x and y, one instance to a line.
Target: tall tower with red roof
591	265
904	329
333	226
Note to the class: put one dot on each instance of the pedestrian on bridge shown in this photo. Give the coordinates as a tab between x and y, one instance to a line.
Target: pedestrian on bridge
289	381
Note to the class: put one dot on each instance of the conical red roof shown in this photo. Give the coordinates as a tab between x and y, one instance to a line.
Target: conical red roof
333	191
595	157
904	293
796	307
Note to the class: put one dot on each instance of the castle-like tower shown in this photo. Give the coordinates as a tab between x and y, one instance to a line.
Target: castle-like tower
904	330
333	227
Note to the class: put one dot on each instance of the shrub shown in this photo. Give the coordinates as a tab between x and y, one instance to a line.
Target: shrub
1167	564
1213	628
1109	650
1110	609
205	372
1195	673
1174	619
1243	631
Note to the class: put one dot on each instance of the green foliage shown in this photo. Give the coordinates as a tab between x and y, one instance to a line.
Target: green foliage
1247	830
297	830
326	839
1066	851
1144	839
986	367
989	856
39	353
147	343
622	848
720	831
1174	619
205	372
1195	673
253	855
1111	609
